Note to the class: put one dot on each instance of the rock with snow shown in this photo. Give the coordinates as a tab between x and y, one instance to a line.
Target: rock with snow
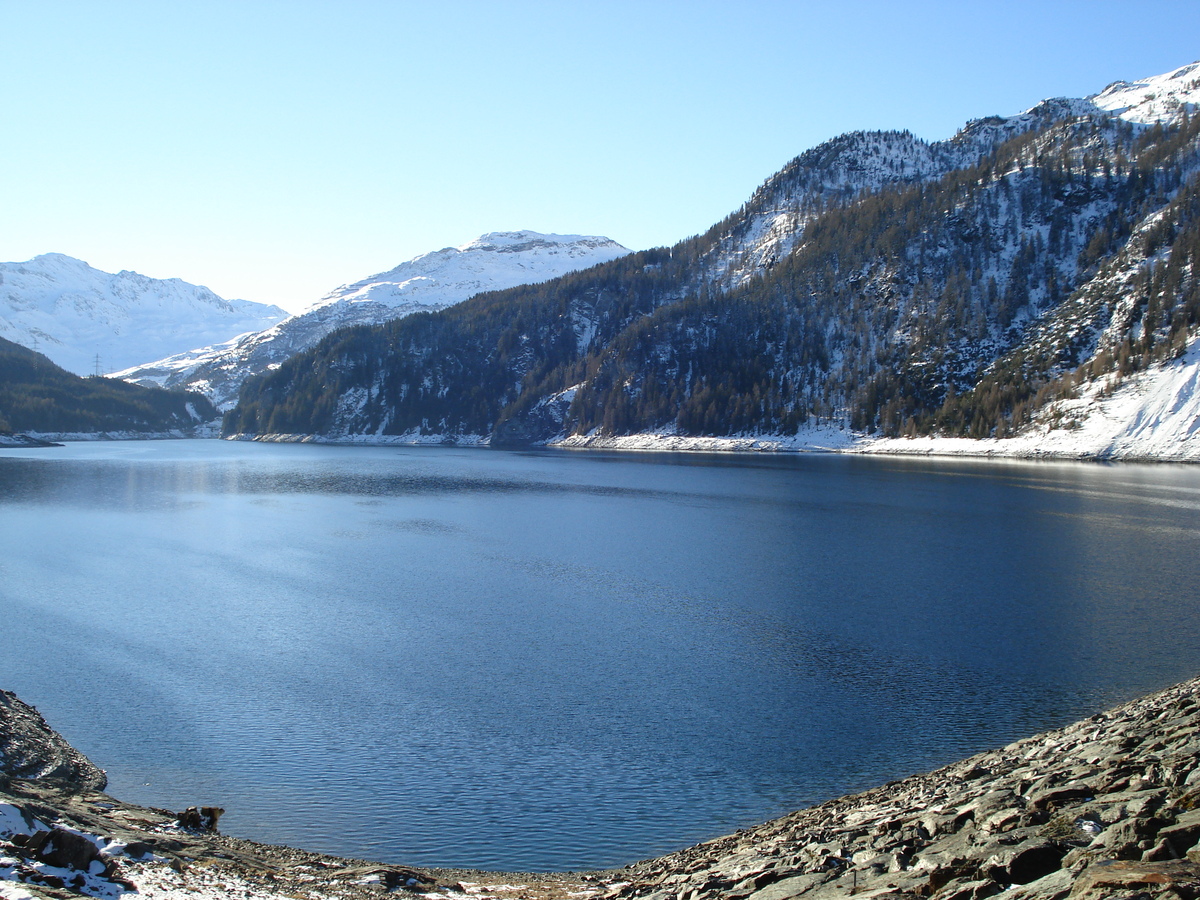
428	282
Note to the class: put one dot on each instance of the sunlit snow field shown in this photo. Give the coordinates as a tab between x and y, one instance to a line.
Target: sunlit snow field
556	660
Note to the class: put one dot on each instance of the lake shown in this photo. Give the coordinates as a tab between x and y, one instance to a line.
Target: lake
554	660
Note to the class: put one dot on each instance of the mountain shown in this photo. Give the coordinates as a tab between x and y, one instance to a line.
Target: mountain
73	313
38	396
426	283
878	284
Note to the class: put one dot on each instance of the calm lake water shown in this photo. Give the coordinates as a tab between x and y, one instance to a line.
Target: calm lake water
552	660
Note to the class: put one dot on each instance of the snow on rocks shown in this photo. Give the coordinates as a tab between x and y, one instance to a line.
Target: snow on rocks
814	439
408	439
1156	99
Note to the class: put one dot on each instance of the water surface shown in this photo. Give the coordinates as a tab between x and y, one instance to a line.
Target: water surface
557	660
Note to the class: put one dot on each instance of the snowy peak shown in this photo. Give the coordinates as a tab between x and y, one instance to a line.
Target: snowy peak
491	262
1160	98
74	313
575	245
1156	99
431	281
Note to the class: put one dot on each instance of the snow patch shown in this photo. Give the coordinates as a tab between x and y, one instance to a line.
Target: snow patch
814	439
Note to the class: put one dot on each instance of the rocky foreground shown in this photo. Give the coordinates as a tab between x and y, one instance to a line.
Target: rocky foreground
1106	808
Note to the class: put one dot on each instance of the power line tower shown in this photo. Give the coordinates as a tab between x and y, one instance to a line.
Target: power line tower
98	373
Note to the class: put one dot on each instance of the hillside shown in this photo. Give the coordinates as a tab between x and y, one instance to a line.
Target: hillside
426	283
878	284
38	396
74	313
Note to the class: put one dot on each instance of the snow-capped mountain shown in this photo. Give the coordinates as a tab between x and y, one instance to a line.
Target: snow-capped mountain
878	284
427	282
74	313
493	261
768	227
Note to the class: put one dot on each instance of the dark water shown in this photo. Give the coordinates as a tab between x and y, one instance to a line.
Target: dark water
552	660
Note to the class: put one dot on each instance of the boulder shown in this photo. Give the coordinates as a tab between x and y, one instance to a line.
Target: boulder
1102	880
203	818
63	849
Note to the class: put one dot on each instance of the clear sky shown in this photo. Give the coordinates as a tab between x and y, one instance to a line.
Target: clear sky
274	150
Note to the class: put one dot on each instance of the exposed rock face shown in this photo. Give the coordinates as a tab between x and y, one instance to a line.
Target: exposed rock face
31	749
1107	807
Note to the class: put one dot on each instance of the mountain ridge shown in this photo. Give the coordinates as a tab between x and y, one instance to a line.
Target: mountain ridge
878	283
428	282
75	313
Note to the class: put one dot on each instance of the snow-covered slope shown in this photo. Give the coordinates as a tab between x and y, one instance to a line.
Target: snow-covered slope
1161	98
428	282
1152	415
73	313
491	262
771	223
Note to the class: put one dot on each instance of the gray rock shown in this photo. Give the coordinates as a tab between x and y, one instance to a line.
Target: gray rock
1106	879
968	890
790	887
1183	835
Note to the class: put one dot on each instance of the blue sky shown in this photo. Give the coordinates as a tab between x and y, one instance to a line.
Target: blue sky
274	150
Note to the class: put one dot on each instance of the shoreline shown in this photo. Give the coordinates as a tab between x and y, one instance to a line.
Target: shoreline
825	442
1107	806
1150	416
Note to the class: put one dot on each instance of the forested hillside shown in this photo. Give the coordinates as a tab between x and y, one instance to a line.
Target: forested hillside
428	282
878	282
38	396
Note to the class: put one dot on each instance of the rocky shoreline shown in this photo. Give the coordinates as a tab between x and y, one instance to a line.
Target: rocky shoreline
1108	807
62	837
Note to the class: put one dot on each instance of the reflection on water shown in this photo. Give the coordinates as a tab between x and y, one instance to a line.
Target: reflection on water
553	660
